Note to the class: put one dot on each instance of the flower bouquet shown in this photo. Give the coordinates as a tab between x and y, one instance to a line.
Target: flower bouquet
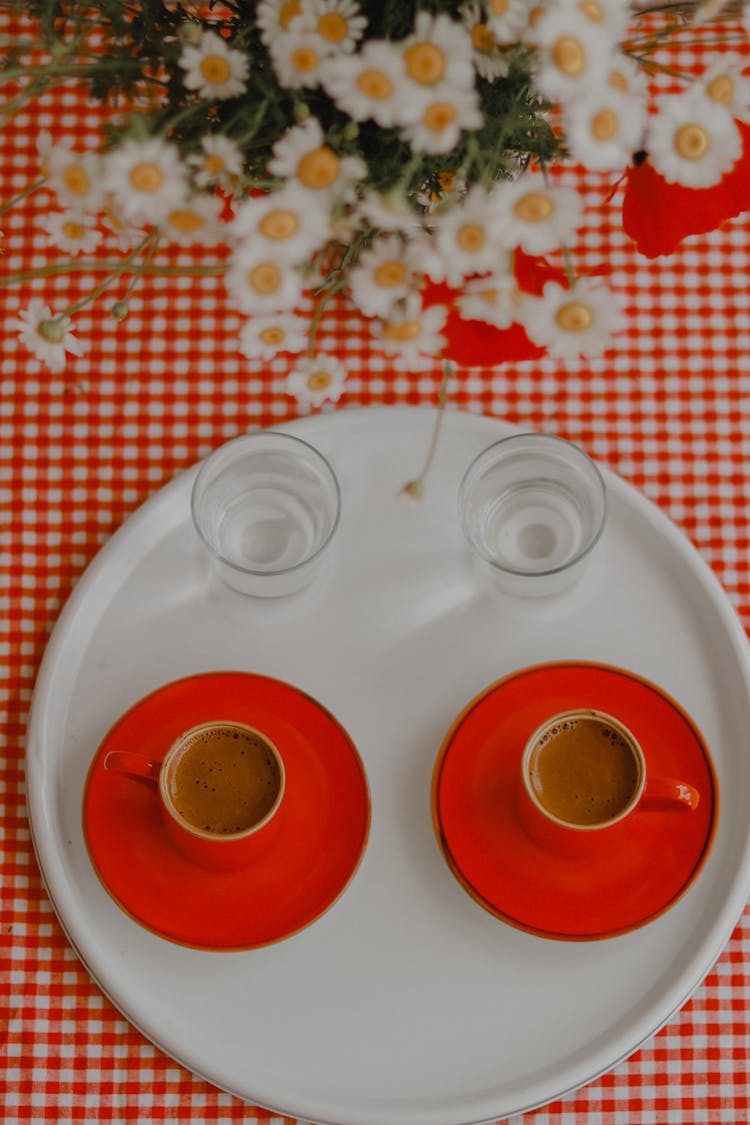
401	155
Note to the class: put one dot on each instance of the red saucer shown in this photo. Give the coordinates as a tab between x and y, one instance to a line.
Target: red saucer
478	827
322	834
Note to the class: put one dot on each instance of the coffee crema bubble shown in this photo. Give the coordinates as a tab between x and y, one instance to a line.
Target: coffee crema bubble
583	771
224	780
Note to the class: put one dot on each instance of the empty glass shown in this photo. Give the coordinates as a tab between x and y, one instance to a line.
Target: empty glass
266	505
532	507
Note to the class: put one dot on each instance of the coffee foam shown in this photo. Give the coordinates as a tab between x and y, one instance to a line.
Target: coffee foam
583	771
224	780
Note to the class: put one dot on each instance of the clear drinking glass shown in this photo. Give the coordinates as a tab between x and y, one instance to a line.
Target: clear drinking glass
532	507
266	505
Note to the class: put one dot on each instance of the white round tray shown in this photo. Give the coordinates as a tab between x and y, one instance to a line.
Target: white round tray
406	1003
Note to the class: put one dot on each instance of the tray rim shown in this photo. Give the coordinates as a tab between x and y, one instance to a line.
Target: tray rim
678	540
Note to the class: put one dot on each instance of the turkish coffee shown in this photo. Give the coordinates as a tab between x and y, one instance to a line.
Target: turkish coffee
583	770
225	779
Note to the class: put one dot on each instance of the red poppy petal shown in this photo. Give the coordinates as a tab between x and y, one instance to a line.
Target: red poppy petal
658	215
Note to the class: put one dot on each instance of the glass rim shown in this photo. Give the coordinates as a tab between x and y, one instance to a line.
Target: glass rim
551	439
210	462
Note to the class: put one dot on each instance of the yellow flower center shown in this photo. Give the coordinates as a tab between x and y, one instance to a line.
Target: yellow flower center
146	177
692	142
618	81
388	274
273	335
319	380
489	296
721	89
215	69
605	125
402	333
569	56
279	224
114	221
265	278
592	10
425	63
471	237
213	163
72	229
333	27
76	180
375	84
498	7
304	60
287	12
446	179
574	316
482	38
186	221
439	116
319	168
535	207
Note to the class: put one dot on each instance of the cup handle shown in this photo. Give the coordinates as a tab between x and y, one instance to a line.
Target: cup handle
669	793
133	765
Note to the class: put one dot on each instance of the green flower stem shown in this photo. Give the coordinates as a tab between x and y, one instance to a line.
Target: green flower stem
415	488
319	309
22	195
141	269
118	268
121	268
71	70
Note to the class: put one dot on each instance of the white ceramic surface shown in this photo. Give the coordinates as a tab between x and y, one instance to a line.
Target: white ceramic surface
405	1004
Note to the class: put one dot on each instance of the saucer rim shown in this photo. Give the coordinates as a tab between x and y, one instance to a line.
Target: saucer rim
464	880
242	947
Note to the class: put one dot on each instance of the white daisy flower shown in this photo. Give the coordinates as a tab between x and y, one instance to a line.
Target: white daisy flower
573	53
74	177
48	337
339	23
467	235
71	231
298	57
692	140
213	68
274	17
263	337
442	119
727	84
612	15
508	20
194	220
316	380
541	218
287	223
370	84
576	321
218	162
389	212
626	77
438	53
488	61
302	154
603	130
412	332
126	236
261	282
383	275
496	300
146	179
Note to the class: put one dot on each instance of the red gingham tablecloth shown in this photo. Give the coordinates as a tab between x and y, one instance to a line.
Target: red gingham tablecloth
668	408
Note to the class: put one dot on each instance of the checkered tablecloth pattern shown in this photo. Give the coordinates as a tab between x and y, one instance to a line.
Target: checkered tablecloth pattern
668	409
